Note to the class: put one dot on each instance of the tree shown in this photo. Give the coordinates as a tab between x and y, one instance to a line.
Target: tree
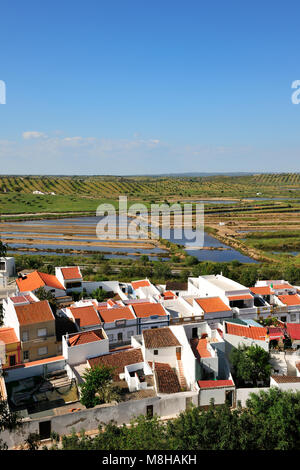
270	421
251	364
42	294
8	420
277	417
3	249
98	387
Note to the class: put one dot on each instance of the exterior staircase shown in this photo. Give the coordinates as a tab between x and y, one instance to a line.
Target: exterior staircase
181	377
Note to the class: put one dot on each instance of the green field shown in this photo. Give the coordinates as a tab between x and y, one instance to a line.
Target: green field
156	187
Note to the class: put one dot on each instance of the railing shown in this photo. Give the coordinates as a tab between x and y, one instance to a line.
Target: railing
180	320
39	340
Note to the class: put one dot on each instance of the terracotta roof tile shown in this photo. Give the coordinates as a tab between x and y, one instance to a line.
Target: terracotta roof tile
85	315
166	379
240	297
215	383
169	295
262	290
289	299
36	280
8	335
138	284
282	286
44	361
254	332
71	273
37	312
85	337
110	315
199	348
148	309
212	304
118	360
160	338
285	379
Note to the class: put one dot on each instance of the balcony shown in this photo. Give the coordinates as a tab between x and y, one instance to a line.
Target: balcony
40	339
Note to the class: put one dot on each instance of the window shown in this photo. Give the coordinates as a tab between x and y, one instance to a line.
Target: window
42	351
42	332
149	411
25	336
283	319
293	317
155	352
120	336
110	337
25	355
129	333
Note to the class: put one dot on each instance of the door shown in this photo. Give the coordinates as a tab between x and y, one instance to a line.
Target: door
12	360
44	429
178	354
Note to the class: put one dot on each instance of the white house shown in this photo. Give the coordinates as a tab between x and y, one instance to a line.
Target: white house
235	335
78	347
70	277
7	269
119	322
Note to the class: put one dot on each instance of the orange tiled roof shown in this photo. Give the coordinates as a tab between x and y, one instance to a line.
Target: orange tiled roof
37	312
169	295
148	310
159	338
199	348
215	383
290	299
8	335
86	337
43	361
36	280
262	290
143	283
282	286
110	315
254	332
212	304
240	297
85	315
71	273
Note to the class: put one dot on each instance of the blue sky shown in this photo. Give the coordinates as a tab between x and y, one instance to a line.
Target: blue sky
143	87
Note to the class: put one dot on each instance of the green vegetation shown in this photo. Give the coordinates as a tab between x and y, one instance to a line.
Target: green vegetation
95	268
250	364
270	421
3	249
97	387
42	294
8	421
154	188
